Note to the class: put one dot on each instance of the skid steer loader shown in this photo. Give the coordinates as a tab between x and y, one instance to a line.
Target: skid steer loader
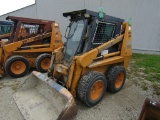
95	58
30	45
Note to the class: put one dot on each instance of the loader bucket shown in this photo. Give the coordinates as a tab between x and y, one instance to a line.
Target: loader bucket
150	110
40	98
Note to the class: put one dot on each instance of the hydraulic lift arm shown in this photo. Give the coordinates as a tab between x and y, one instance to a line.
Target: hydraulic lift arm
14	46
84	61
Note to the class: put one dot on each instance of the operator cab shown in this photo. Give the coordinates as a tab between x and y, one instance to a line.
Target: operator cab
87	30
5	27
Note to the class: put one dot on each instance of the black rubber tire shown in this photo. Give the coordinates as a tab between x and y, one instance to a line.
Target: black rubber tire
12	59
39	60
112	75
85	84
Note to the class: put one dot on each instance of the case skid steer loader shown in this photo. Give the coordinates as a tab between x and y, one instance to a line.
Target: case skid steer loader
30	45
95	58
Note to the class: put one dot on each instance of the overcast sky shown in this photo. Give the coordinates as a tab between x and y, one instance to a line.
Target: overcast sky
7	6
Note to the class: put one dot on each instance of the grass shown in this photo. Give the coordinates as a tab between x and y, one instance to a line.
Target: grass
150	65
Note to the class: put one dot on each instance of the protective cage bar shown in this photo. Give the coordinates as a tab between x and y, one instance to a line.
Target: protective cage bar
104	32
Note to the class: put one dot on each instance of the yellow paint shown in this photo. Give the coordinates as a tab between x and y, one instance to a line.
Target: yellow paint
112	60
1	54
101	69
83	59
111	54
42	50
76	77
71	71
109	43
37	46
126	49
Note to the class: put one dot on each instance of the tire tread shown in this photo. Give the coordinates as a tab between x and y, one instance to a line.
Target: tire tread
12	59
111	77
38	60
84	84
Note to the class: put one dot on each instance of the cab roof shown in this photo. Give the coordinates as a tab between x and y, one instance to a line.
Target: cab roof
28	20
91	13
6	23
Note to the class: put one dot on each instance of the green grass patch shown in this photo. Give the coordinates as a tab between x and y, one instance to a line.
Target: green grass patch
149	64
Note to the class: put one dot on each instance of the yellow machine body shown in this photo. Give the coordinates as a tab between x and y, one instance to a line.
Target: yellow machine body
82	64
32	51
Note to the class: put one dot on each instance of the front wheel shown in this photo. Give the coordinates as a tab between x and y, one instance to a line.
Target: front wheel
17	66
91	88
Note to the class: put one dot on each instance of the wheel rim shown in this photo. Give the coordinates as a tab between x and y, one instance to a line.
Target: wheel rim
119	80
97	90
18	67
45	63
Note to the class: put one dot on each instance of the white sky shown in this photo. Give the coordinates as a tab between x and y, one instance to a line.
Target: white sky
7	6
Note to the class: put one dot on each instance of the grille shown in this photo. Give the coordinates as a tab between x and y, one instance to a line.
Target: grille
104	32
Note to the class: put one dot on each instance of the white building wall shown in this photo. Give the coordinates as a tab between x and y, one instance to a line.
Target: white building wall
24	12
144	13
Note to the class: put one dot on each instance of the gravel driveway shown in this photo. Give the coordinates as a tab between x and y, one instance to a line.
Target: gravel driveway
124	105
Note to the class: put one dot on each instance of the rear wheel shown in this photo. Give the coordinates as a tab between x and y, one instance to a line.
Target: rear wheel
17	66
43	62
116	78
91	88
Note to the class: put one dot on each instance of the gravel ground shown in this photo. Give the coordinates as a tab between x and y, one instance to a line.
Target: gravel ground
124	105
